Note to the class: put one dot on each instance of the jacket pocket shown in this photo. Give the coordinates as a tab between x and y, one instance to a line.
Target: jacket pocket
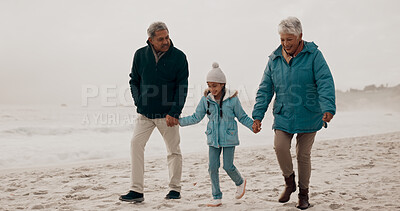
231	137
277	108
208	132
139	105
231	132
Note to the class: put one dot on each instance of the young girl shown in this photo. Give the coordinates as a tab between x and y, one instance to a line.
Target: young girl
221	106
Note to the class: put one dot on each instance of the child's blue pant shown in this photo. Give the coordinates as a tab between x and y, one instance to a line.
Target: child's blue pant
214	164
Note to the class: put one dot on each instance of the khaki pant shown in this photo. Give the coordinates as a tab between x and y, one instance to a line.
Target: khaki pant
282	144
142	131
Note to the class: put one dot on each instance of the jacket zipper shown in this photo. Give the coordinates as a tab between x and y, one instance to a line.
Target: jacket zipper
217	130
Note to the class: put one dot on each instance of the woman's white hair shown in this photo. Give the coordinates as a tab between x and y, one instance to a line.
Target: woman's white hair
290	25
156	26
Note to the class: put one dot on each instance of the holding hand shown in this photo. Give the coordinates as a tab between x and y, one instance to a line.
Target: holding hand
256	126
327	117
171	121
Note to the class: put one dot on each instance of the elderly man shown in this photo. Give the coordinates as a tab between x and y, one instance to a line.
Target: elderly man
159	81
300	78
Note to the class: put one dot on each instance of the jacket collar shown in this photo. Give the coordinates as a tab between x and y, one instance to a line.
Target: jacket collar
228	94
308	47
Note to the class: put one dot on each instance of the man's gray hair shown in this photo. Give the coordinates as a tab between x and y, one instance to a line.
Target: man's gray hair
156	26
290	25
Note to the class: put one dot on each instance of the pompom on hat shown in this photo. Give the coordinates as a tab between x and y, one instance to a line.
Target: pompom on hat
216	75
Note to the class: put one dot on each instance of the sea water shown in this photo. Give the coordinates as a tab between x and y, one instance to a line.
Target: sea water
55	135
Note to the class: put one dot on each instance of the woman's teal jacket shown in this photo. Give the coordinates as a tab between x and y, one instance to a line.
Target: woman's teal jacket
303	90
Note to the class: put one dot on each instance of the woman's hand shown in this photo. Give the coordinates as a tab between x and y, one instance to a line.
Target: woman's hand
256	126
327	117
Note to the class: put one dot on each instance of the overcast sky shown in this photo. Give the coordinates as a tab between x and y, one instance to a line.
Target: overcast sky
50	49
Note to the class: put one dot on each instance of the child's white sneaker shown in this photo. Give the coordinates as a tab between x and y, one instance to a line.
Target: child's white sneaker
241	189
215	203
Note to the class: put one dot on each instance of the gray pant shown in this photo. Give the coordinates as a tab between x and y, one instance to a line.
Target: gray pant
142	131
282	144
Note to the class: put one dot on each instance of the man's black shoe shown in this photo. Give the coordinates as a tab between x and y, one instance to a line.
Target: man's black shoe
132	196
173	195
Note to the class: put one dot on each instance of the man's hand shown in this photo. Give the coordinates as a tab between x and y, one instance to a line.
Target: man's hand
256	126
171	121
327	117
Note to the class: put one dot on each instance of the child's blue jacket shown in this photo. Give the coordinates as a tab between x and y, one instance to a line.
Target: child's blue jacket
221	132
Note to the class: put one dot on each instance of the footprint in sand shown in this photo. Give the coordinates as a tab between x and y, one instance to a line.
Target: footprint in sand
260	157
77	197
200	196
99	188
40	192
102	206
290	204
163	206
38	207
255	190
79	188
335	206
85	175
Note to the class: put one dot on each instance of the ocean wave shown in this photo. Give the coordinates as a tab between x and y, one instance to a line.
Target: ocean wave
53	131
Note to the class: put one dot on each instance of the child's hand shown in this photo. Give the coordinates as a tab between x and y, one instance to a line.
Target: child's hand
256	126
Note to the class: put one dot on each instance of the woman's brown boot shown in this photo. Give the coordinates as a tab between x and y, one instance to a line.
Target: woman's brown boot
290	187
303	199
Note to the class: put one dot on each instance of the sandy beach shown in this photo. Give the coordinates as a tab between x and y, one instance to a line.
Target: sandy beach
358	173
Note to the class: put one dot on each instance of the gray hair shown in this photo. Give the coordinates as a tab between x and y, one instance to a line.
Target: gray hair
290	25
156	26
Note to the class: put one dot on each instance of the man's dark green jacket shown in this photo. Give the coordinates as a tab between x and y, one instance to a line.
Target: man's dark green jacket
159	88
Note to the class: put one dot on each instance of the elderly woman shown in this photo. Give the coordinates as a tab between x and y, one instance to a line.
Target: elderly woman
299	76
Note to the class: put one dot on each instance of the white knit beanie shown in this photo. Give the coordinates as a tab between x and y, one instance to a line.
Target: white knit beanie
216	74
